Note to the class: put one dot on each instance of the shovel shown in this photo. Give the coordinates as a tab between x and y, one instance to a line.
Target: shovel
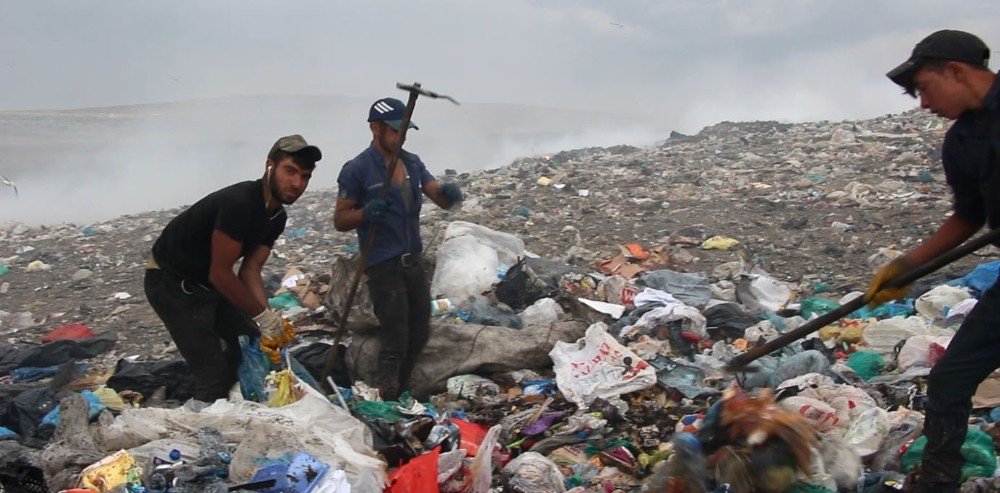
739	362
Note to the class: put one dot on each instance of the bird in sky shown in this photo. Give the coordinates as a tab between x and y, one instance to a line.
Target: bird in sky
10	183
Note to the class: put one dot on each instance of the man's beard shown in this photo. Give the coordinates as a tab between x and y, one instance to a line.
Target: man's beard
276	195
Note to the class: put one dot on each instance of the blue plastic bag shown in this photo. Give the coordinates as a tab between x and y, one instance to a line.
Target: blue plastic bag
253	369
982	277
255	366
94	407
27	374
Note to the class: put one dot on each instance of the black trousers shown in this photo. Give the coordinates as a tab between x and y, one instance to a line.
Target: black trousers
971	356
402	301
205	327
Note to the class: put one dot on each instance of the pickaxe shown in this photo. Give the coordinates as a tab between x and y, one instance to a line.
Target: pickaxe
738	363
414	90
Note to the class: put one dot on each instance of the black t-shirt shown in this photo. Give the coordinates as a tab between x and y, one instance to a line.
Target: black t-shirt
185	246
971	157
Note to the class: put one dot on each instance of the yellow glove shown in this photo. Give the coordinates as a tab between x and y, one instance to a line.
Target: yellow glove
876	294
271	346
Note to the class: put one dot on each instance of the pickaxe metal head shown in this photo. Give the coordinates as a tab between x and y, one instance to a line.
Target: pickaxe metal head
415	88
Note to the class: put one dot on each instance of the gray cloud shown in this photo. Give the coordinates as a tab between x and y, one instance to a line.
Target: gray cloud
534	76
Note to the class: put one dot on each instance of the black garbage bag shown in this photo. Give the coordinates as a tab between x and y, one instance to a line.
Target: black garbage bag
146	377
731	319
55	352
530	280
313	358
18	474
23	413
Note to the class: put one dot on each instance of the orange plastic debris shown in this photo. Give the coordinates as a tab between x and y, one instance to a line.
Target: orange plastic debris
636	251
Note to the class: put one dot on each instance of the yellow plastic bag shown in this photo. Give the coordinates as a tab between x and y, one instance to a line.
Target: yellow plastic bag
110	398
719	243
111	472
286	388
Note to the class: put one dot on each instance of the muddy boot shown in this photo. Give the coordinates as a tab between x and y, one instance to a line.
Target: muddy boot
387	375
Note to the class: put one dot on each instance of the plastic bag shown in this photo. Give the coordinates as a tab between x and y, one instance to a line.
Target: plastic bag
532	472
542	312
933	303
822	416
253	370
472	387
477	311
530	280
761	293
691	288
110	472
468	259
983	277
866	364
867	432
917	350
481	469
69	331
287	389
978	450
882	336
471	436
94	408
817	305
905	425
283	301
598	366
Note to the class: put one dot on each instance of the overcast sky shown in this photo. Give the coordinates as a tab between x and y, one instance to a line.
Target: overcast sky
699	61
681	64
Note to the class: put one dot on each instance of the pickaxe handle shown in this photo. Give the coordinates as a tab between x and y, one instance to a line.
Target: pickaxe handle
740	361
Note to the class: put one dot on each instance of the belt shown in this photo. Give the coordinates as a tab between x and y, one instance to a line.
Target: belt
186	285
409	259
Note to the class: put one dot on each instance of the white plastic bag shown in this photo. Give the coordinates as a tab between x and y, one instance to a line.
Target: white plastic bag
543	312
822	416
481	468
469	258
933	303
532	472
763	293
867	431
917	350
598	366
882	336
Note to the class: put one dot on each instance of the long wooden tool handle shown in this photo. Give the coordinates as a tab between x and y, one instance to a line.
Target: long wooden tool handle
815	324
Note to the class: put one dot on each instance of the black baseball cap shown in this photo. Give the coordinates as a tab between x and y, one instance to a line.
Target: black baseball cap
950	45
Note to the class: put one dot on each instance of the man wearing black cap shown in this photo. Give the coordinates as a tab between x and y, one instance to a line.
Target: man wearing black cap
948	72
396	279
190	281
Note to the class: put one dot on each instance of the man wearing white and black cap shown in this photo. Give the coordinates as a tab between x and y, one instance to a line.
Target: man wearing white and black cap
190	280
396	279
948	71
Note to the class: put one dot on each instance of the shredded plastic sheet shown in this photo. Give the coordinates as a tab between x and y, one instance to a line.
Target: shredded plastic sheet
312	425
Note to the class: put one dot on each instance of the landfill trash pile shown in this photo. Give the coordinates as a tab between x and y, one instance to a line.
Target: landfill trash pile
586	304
